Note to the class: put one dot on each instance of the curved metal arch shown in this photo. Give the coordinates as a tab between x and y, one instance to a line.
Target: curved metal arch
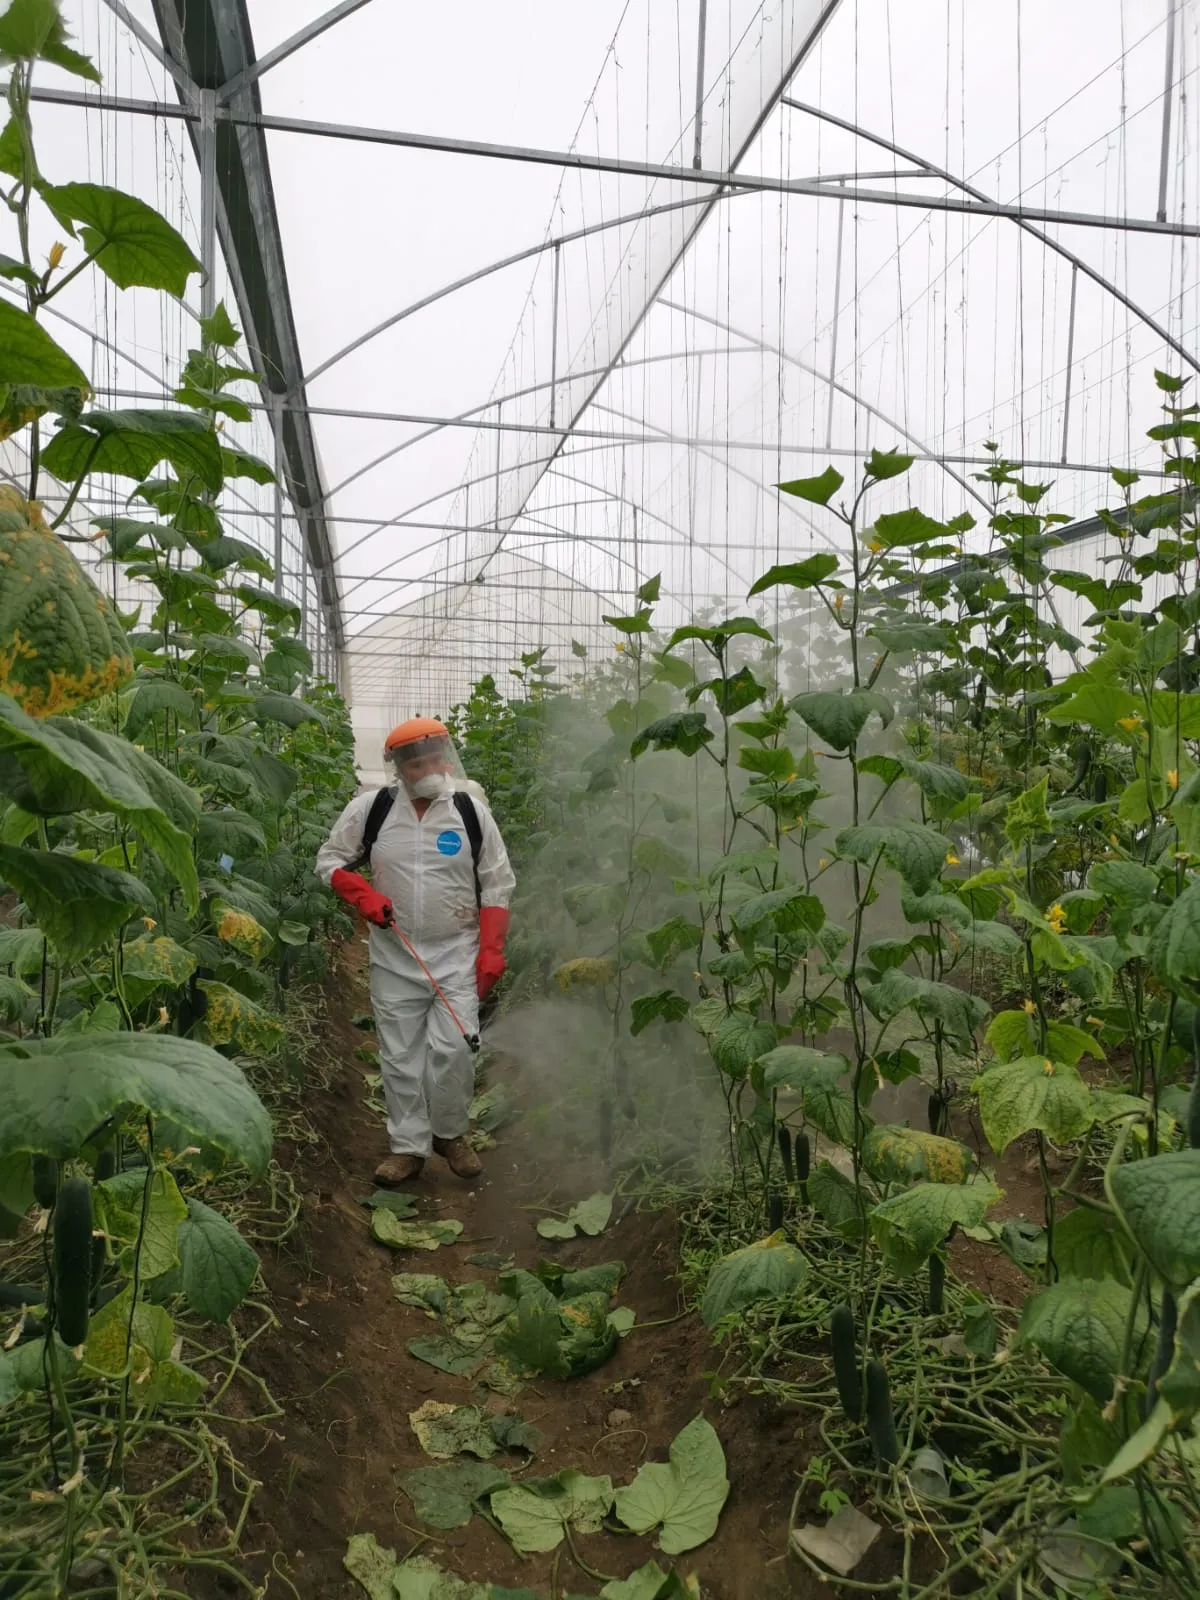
543	531
1034	232
460	583
844	389
500	400
527	254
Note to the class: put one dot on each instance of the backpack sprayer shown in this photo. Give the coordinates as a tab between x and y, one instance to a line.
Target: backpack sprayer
471	1040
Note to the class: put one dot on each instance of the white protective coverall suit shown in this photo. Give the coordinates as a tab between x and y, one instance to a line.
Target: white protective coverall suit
423	865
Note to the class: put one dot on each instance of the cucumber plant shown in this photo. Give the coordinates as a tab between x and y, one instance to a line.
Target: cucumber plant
165	779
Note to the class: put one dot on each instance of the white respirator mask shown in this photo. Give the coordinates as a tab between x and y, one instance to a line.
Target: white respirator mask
430	787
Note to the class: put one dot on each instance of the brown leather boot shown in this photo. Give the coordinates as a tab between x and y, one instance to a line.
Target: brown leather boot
394	1170
459	1156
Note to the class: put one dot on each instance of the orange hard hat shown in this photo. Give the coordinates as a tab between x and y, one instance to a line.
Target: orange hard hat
413	731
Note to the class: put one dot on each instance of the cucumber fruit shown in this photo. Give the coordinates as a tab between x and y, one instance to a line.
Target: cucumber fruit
843	1344
937	1282
72	1225
785	1154
1164	1350
775	1211
880	1423
803	1158
45	1181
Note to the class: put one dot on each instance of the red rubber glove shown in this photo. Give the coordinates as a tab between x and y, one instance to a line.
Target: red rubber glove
489	968
357	892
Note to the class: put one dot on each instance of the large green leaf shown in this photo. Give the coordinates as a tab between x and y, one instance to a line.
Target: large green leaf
60	765
835	1197
230	1018
817	491
127	1213
683	1497
912	526
536	1514
1079	1327
61	639
1159	1198
839	718
1175	944
1089	1244
685	731
285	708
152	698
218	1265
130	444
767	1270
909	1227
917	853
799	574
32	30
738	1039
1032	1092
127	239
893	1153
79	905
958	1012
54	1093
933	778
28	355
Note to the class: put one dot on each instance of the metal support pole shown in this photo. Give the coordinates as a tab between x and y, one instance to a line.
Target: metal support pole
701	39
277	425
554	335
1168	85
207	141
837	311
1070	361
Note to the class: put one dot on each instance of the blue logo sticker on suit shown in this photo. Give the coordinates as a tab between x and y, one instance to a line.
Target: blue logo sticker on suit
449	844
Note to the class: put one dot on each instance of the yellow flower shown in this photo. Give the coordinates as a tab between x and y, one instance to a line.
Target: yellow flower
1129	723
1048	1069
875	545
1057	918
822	864
620	647
838	601
1030	1008
1112	839
1173	778
149	924
164	1016
57	251
1096	1022
791	778
952	860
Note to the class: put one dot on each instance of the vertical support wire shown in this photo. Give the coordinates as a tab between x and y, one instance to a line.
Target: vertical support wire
554	333
1070	361
837	310
701	40
1168	78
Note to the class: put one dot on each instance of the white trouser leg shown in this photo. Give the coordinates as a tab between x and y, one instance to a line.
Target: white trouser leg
451	1070
402	1007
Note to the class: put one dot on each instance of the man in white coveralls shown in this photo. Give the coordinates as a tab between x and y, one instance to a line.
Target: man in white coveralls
439	896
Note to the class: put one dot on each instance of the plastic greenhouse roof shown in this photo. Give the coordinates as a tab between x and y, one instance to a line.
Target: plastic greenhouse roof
875	240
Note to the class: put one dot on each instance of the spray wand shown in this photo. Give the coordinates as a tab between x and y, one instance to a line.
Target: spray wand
471	1040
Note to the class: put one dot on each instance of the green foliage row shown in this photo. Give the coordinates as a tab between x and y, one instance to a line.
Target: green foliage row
165	780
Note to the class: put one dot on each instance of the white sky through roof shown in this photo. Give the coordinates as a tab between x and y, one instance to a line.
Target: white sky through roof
476	532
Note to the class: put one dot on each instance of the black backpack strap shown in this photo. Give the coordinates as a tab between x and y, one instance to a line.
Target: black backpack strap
465	807
381	804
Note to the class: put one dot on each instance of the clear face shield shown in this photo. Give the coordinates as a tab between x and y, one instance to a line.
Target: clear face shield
428	767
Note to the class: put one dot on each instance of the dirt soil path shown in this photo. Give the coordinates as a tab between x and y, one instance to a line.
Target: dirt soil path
339	1366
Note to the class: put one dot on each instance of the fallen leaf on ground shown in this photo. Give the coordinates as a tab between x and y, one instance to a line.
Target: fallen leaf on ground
590	1216
682	1497
387	1228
